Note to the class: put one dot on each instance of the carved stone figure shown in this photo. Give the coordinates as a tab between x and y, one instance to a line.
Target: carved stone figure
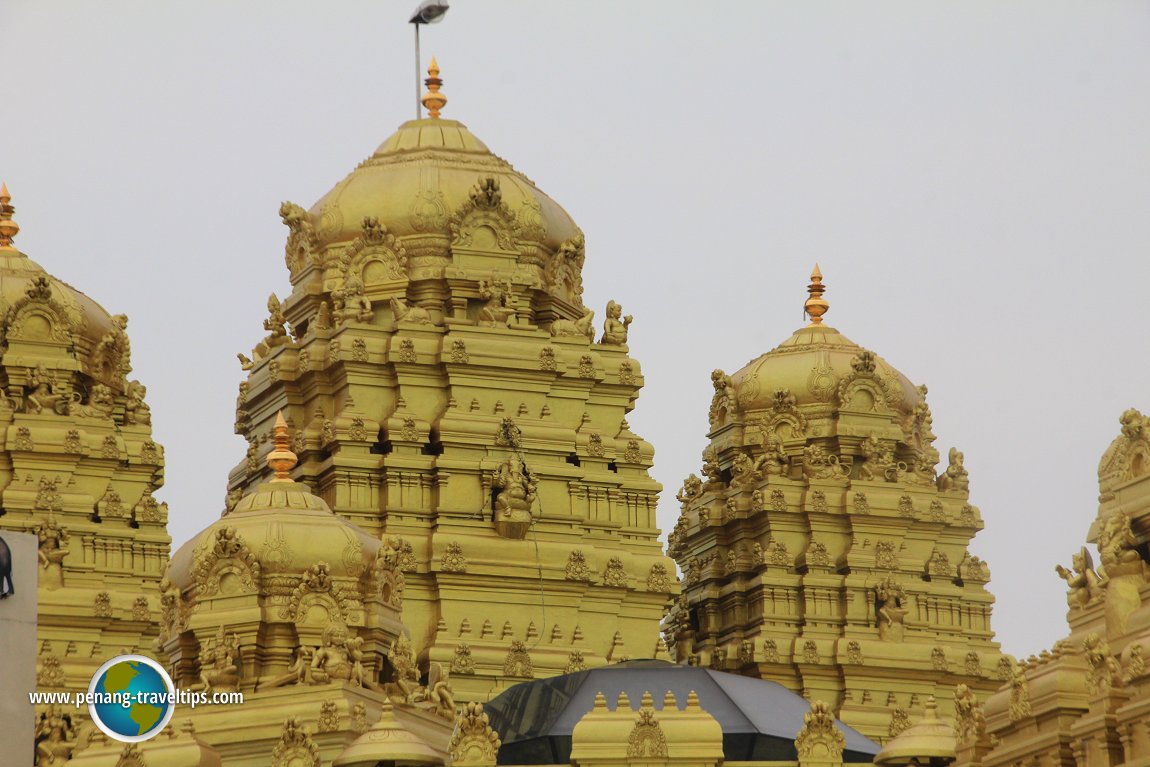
405	679
774	460
413	313
135	409
1085	585
1019	692
439	692
891	609
514	498
1103	671
43	393
112	356
955	477
1117	546
565	270
615	326
218	669
744	471
723	399
275	323
339	659
574	328
500	306
52	540
877	460
818	464
55	738
692	489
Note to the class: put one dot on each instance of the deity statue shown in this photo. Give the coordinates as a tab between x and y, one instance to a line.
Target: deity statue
350	301
692	489
171	609
45	393
563	271
339	659
615	326
891	609
218	669
500	306
711	469
439	692
51	553
955	477
405	680
55	738
724	397
774	460
1085	585
1117	546
323	316
275	323
515	495
876	459
135	409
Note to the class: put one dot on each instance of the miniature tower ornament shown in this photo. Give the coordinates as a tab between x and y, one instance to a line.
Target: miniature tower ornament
816	306
433	100
281	460
8	227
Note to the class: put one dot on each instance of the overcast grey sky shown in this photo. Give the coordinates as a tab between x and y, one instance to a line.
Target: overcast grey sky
972	177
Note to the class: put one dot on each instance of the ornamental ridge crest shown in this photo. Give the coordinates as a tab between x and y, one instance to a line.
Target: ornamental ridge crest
473	742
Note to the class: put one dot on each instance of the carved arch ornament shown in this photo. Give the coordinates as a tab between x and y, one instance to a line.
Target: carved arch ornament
227	555
38	316
375	255
485	208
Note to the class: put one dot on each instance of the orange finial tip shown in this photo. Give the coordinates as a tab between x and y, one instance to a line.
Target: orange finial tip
816	306
433	100
281	460
8	228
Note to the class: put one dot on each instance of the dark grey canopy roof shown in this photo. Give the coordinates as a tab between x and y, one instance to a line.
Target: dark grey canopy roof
759	718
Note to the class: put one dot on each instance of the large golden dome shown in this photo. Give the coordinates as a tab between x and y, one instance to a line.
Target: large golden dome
420	175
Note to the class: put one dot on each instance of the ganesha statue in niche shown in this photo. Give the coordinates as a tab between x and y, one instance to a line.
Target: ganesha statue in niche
514	498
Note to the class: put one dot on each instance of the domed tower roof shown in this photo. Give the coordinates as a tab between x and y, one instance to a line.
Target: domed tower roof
420	174
813	363
821	478
65	312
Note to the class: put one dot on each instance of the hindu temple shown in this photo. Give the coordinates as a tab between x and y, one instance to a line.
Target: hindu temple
440	547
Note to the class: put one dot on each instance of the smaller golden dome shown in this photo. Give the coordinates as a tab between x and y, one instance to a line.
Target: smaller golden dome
929	742
810	365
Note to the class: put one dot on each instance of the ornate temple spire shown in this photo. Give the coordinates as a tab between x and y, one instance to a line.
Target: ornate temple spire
816	306
281	460
8	227
433	100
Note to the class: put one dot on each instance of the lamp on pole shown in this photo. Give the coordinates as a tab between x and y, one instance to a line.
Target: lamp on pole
428	12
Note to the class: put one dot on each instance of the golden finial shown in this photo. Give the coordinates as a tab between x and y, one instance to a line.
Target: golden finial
8	227
281	460
816	306
433	100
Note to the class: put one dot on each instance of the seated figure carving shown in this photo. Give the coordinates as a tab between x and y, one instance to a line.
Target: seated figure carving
514	497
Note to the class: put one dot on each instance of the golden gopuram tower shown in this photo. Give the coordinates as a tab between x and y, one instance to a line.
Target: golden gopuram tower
822	548
449	394
78	469
1086	700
